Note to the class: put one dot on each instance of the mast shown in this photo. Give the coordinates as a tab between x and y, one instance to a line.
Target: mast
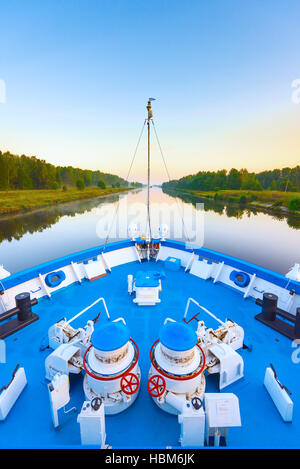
150	115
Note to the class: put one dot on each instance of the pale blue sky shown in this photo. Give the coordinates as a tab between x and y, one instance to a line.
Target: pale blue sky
78	74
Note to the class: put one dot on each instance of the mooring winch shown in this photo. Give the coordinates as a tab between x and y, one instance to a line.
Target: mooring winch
177	365
107	354
179	358
111	366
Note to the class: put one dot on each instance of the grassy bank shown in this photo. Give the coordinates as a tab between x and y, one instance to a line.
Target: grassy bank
23	200
267	199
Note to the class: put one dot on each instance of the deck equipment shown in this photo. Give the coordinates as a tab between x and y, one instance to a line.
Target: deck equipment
92	423
289	325
177	365
10	393
279	394
106	353
146	286
177	382
24	314
111	366
93	365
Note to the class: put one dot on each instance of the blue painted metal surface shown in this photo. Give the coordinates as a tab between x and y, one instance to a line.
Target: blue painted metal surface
266	274
25	275
241	279
110	336
147	279
53	279
177	336
171	263
140	240
144	424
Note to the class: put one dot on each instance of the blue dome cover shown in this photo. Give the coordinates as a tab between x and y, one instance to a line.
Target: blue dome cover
147	279
177	336
110	336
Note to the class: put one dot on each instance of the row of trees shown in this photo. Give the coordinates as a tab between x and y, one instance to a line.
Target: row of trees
24	172
287	179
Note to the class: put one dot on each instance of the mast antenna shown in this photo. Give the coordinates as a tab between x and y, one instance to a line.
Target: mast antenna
150	115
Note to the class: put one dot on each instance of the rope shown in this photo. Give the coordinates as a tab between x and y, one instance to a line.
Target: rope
130	167
168	174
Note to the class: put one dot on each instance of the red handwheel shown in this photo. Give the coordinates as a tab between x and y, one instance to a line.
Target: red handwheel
130	383
156	386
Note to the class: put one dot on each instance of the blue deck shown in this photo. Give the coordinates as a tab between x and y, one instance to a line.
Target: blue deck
144	425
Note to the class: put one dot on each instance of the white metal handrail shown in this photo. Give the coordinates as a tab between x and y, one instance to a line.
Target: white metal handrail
88	307
204	309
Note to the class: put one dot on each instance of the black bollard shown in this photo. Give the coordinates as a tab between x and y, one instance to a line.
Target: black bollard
24	314
23	303
269	306
297	324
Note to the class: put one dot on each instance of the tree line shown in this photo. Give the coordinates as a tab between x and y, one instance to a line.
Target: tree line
286	179
29	172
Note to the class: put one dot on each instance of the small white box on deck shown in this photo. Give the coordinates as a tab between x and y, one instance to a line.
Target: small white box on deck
92	425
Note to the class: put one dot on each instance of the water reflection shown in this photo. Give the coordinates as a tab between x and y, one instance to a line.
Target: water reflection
269	240
235	210
15	227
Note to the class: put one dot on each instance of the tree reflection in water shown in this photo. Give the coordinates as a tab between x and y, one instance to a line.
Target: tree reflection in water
16	226
235	210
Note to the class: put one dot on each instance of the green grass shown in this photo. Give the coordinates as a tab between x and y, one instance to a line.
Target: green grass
23	200
267	198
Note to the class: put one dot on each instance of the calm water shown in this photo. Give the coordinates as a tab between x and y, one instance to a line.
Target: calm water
272	241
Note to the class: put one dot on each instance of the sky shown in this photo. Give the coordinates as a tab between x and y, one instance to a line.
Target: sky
75	76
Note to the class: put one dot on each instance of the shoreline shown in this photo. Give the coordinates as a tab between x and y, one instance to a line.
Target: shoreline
25	201
232	198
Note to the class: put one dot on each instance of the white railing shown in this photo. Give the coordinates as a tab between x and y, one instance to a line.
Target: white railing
204	309
87	308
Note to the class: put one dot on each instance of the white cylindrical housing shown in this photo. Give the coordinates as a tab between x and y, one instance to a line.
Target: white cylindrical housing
117	361
172	371
180	363
110	357
177	360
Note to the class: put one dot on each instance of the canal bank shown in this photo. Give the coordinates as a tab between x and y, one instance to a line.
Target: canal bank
268	201
14	202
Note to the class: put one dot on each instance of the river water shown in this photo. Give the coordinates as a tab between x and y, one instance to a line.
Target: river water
269	240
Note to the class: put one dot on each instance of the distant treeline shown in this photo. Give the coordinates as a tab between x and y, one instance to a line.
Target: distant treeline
29	172
286	179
